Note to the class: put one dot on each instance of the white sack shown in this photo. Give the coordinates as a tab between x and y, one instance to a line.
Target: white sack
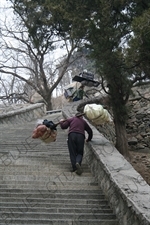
97	114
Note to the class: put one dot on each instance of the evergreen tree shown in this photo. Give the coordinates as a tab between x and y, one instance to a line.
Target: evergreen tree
105	26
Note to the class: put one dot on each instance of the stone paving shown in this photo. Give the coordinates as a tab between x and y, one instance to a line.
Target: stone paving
37	187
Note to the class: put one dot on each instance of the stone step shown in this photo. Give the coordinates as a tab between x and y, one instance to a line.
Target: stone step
37	187
57	208
26	204
55	200
65	178
76	221
39	174
51	215
62	192
49	186
41	194
58	179
29	167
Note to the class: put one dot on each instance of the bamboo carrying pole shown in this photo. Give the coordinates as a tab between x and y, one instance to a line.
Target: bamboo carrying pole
77	115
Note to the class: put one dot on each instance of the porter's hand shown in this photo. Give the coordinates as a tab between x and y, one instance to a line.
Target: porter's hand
62	120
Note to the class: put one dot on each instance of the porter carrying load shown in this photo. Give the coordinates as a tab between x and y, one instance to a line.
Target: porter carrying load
46	131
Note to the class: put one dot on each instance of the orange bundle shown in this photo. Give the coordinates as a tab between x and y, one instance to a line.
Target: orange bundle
44	133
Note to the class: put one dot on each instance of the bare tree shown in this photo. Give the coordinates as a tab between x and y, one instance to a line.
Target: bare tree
34	65
12	91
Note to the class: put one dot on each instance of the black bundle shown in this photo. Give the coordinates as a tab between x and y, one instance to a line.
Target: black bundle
50	124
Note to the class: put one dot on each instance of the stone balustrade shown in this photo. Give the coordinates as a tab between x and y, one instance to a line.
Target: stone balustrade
126	190
22	113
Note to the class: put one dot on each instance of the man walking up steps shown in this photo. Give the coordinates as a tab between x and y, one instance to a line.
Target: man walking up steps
76	139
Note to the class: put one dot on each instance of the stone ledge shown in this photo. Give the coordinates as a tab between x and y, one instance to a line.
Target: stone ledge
21	110
126	190
28	113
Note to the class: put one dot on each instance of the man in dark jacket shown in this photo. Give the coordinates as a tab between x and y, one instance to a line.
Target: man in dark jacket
76	138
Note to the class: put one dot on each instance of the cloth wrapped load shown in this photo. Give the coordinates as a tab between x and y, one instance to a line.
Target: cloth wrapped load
46	132
97	114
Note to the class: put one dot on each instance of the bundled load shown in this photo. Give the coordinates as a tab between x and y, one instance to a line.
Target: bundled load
87	79
46	131
68	93
97	114
70	89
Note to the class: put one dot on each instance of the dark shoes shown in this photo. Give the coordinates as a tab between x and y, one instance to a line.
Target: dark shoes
79	169
73	170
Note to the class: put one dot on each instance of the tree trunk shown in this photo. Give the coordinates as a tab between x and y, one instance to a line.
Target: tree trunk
49	105
121	138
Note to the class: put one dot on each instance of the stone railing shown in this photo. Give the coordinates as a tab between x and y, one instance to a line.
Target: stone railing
126	190
22	114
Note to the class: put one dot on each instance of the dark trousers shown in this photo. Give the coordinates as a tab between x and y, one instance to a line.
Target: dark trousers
76	148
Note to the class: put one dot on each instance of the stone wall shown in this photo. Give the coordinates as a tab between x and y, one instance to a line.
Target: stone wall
21	113
138	125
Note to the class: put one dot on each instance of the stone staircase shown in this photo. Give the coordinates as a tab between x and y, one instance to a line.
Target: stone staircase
37	187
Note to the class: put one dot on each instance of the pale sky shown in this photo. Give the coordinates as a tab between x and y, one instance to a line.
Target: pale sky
3	3
4	10
7	14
